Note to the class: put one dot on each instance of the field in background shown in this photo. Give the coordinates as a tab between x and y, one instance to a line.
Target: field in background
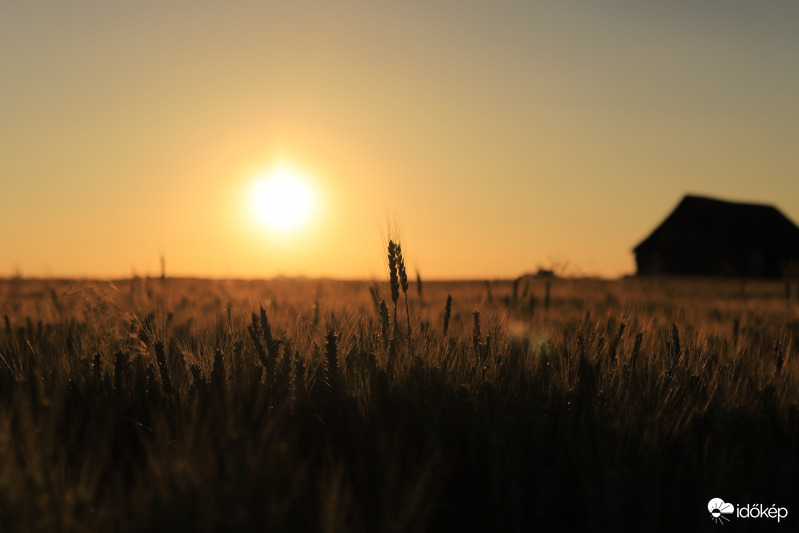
175	404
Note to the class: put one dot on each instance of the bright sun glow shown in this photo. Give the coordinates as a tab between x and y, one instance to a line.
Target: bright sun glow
282	200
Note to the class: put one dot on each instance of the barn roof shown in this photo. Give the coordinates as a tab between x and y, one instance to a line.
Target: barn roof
697	219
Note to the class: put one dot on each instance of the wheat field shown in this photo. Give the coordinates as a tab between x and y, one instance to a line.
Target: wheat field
537	404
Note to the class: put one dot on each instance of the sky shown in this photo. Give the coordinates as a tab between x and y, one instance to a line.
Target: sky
491	138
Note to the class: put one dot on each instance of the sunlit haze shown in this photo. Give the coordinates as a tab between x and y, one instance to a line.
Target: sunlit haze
497	137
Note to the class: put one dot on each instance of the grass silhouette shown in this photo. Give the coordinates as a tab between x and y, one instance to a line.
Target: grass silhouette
180	404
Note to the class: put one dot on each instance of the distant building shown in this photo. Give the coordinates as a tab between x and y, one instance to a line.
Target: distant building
709	237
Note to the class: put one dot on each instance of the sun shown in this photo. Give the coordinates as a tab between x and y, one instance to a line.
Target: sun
282	199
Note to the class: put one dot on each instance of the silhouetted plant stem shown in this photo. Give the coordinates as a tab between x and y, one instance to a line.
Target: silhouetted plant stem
393	277
160	356
447	313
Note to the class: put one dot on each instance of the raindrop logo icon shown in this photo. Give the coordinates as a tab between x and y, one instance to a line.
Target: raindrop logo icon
718	509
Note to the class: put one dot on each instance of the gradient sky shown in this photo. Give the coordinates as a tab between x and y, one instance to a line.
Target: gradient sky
500	136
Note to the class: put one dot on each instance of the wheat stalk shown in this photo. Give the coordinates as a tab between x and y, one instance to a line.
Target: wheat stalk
447	313
393	277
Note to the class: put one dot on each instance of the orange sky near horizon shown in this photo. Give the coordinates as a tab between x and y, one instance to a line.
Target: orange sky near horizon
498	138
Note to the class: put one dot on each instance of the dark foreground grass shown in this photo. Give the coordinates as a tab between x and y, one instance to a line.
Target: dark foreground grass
184	405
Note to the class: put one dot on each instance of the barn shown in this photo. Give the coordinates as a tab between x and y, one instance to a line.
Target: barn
710	237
